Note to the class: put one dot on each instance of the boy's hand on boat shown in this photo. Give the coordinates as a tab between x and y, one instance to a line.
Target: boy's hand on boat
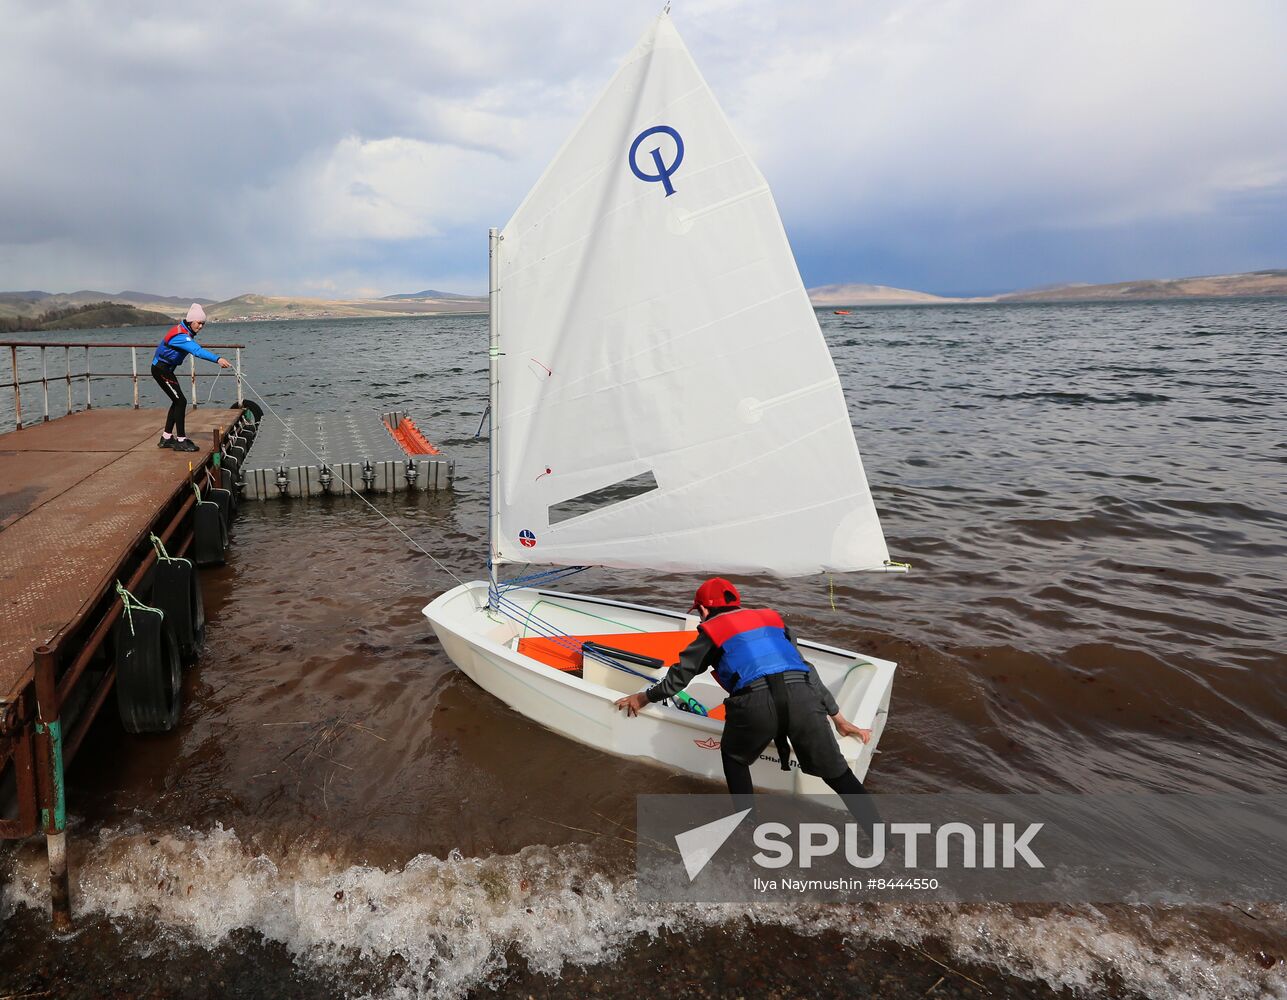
633	704
846	728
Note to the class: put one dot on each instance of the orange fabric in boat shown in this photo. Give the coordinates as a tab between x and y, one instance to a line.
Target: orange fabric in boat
665	646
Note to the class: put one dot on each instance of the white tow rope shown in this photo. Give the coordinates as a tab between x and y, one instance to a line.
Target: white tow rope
320	461
215	382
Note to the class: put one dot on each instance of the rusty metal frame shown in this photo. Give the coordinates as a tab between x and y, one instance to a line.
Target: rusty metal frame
32	740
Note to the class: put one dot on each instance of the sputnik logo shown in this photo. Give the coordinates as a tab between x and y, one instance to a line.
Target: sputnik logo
698	845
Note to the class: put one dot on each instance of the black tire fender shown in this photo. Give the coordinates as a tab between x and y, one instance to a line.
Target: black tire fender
176	590
149	672
223	498
228	482
209	534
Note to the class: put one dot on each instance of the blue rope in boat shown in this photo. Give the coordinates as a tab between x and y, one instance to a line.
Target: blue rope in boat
544	576
520	613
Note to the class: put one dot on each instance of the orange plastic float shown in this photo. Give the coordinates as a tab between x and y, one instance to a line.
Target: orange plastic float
409	438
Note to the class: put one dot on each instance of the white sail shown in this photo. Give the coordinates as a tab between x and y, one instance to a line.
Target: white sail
664	395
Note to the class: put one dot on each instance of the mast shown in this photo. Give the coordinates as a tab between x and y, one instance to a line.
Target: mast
493	383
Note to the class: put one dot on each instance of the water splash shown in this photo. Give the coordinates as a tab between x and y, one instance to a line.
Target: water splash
440	927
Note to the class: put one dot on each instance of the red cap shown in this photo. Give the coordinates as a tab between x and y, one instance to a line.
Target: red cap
716	593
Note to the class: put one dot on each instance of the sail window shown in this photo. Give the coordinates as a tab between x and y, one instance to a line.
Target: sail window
605	496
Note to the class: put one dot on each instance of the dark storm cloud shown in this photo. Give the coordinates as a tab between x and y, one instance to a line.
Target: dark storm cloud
216	148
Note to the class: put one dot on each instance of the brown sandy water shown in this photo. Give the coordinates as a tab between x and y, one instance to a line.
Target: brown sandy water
1093	501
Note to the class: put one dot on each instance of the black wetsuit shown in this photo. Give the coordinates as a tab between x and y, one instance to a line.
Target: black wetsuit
751	721
169	383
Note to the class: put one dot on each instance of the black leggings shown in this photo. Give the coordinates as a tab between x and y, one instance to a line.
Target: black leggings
169	384
846	784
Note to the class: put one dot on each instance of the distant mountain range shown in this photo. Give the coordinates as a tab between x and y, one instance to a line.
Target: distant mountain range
259	307
1251	283
870	295
245	308
95	315
33	303
428	293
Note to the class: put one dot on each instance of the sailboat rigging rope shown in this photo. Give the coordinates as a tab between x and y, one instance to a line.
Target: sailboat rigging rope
520	613
213	382
269	407
499	587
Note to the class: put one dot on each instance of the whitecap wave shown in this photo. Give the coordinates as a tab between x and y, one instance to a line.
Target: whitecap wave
447	925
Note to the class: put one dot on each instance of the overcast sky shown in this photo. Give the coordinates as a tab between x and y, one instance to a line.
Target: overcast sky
331	148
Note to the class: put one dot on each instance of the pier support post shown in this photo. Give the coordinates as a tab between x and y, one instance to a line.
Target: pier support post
53	801
17	389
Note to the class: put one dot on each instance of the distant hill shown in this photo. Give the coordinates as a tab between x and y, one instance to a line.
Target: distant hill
428	293
35	303
1251	283
169	300
1272	282
26	305
95	315
870	295
247	308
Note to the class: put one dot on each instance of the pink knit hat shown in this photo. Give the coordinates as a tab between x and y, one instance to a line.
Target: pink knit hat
196	314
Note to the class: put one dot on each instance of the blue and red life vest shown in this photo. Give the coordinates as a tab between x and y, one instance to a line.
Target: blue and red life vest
752	644
171	354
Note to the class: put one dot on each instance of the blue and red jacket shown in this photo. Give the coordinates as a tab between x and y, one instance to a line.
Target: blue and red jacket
752	644
752	637
178	342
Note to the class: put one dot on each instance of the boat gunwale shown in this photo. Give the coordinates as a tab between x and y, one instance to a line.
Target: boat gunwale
822	647
521	660
674	715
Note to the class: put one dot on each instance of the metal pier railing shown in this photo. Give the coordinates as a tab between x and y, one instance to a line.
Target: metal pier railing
69	378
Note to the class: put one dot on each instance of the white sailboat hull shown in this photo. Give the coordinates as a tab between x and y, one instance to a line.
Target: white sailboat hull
483	645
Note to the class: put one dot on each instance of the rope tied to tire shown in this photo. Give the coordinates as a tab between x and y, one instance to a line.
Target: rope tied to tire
163	555
133	604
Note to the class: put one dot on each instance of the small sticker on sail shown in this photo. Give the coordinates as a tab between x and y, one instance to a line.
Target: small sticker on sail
526	538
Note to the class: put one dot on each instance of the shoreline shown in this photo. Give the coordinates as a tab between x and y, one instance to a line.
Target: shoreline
826	309
765	961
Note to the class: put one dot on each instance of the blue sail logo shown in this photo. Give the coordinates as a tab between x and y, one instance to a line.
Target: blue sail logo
664	169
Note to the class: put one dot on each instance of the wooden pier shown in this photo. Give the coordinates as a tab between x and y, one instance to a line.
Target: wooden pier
80	498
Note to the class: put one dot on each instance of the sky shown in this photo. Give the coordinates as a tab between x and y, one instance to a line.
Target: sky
340	149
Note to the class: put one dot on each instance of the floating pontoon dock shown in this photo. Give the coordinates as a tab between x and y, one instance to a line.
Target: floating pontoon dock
313	454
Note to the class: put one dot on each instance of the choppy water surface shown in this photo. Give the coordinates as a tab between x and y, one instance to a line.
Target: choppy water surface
1094	499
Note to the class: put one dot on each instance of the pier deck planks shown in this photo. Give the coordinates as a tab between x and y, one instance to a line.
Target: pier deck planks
75	493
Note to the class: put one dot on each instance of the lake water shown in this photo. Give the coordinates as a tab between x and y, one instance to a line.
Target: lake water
1094	501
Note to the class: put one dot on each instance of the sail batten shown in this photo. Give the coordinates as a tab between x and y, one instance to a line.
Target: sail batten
669	401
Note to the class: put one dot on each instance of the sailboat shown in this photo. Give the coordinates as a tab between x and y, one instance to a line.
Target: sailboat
661	398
